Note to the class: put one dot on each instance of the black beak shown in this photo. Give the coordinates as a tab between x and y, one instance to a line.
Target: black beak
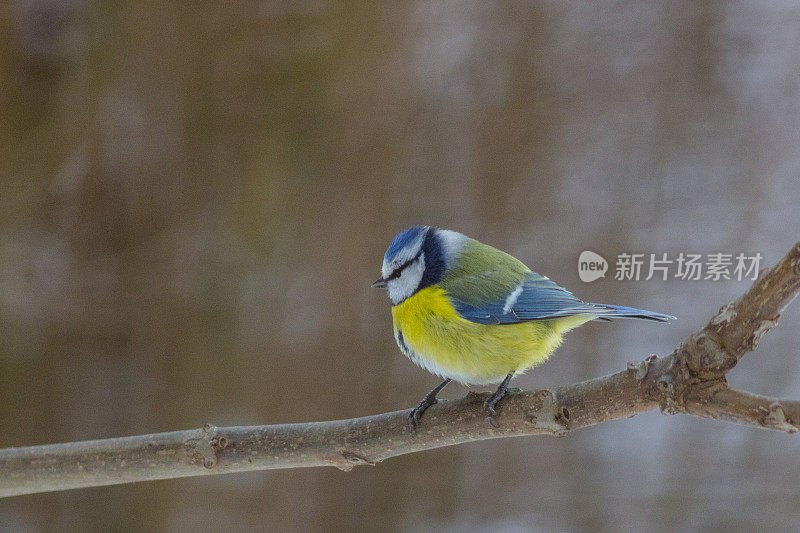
380	283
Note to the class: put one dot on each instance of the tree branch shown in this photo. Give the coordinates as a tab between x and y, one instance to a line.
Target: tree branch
690	380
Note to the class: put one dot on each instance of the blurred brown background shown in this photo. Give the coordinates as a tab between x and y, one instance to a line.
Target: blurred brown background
195	197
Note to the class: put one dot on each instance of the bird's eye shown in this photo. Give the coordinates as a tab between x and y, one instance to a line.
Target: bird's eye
397	272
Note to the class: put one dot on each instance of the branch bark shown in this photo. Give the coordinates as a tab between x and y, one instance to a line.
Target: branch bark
691	380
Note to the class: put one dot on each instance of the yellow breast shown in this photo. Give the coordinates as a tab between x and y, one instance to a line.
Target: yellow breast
432	334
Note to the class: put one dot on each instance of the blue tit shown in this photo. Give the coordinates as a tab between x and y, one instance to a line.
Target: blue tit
469	312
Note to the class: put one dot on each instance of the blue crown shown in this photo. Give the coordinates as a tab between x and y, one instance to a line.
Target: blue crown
403	239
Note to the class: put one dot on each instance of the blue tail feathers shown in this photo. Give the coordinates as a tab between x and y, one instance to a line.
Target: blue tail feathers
619	311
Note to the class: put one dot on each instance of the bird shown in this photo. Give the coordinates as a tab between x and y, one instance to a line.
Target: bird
471	313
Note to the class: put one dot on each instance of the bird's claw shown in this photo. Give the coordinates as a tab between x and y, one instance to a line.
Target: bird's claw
413	419
488	406
492	400
427	401
416	413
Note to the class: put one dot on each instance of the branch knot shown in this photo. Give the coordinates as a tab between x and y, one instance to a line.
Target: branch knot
641	368
548	415
705	356
204	449
776	418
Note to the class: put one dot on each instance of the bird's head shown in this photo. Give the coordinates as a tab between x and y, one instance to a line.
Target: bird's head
417	257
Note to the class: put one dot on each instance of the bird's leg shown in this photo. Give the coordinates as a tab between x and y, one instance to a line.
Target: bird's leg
427	401
496	397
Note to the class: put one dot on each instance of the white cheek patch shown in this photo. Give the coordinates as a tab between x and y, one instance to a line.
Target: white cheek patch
408	282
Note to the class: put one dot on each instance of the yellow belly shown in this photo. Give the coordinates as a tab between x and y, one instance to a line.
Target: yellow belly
431	333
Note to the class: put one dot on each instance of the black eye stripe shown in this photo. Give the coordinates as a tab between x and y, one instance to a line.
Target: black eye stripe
399	270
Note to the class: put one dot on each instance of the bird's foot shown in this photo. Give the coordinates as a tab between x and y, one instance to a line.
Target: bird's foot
491	402
489	407
416	413
427	401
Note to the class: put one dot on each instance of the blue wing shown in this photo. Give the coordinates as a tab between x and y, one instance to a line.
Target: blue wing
539	298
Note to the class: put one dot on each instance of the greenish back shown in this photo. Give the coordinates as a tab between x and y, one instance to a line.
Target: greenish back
483	274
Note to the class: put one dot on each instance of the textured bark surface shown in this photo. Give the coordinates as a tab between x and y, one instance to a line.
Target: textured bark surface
690	380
